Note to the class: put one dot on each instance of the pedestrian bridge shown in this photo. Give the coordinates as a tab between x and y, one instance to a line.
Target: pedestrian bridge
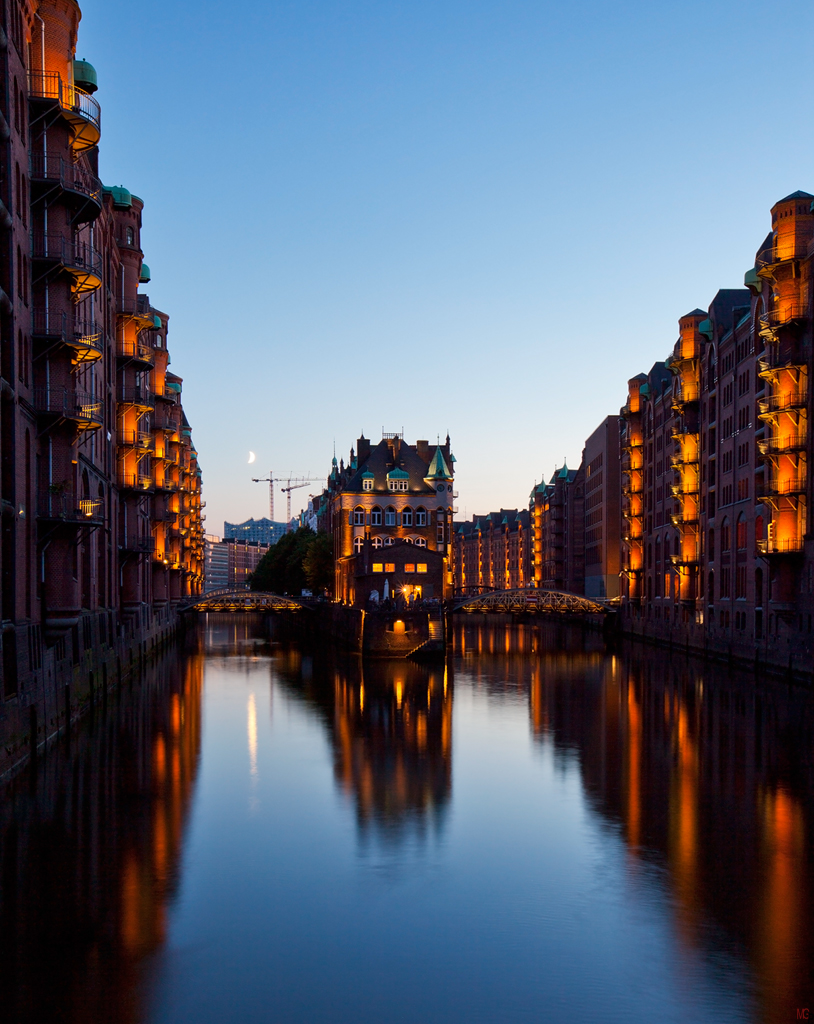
535	601
240	599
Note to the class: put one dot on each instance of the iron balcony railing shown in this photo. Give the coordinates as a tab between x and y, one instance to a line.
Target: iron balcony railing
72	254
785	488
774	318
72	330
781	403
138	545
137	307
69	404
791	545
686	395
73	177
135	439
775	360
771	255
65	506
135	481
48	85
780	445
136	349
135	395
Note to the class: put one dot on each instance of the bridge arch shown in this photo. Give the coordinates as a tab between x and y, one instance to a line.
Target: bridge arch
537	601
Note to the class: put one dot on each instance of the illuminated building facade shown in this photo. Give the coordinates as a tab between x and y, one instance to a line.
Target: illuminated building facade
558	521
493	552
101	489
603	509
391	493
716	447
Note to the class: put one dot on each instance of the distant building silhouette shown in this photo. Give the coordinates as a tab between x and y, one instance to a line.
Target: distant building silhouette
262	531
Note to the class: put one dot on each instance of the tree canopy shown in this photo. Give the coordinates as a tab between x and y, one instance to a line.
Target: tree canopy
299	559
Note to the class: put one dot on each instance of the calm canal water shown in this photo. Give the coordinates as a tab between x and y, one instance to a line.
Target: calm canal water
541	831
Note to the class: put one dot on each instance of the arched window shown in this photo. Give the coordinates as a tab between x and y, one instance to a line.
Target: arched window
357	544
421	542
377	541
711	546
388	542
375	516
759	528
740	533
407	517
726	535
420	516
711	586
358	516
389	516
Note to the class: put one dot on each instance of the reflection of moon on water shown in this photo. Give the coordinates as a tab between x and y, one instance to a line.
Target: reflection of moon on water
252	457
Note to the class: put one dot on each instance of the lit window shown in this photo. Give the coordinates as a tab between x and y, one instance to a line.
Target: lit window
440	515
421	567
409	567
389	566
378	567
407	517
131	237
389	516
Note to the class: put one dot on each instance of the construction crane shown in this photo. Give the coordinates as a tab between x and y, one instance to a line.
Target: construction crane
271	480
291	482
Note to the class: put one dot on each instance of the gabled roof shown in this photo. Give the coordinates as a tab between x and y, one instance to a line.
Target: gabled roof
796	195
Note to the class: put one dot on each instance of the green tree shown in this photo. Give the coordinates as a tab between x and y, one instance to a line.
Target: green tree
282	570
318	563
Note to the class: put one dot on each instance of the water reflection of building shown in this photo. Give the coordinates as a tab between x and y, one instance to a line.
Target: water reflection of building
90	843
707	774
391	728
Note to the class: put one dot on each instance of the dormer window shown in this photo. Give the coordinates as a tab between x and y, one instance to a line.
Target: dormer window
367	485
397	480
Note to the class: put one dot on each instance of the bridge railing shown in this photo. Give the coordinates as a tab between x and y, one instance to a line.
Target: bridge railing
533	600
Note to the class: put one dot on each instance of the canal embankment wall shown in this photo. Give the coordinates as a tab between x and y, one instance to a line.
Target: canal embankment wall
56	685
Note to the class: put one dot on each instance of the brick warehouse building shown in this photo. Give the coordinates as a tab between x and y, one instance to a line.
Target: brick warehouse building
100	484
718	548
391	495
714	547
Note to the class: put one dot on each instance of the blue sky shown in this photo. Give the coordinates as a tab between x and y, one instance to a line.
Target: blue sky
470	216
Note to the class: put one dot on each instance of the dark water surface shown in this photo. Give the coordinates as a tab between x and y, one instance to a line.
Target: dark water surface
541	831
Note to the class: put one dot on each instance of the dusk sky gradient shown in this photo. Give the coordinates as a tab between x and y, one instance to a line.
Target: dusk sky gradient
470	216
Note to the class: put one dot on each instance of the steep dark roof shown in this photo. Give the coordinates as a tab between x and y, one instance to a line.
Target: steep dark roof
379	463
796	195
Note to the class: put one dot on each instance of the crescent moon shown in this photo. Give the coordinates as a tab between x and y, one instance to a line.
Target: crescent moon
252	457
